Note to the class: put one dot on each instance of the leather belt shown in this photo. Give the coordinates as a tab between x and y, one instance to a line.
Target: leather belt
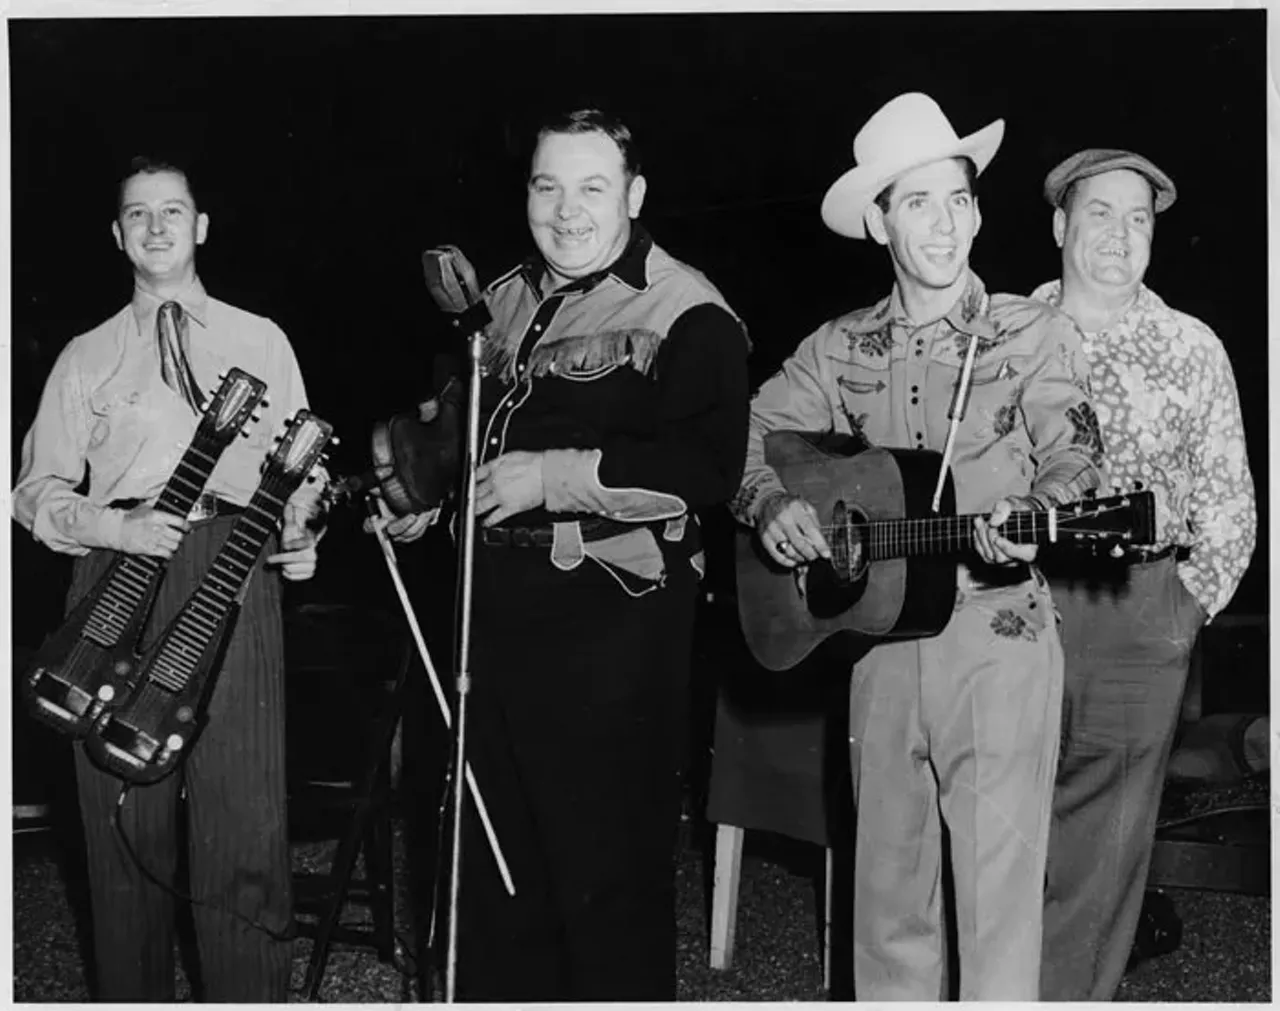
1145	556
594	529
207	506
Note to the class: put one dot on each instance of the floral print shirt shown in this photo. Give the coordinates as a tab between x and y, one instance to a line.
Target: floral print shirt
1166	400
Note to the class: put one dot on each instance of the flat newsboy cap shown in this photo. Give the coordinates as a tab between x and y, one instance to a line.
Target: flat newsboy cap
1096	160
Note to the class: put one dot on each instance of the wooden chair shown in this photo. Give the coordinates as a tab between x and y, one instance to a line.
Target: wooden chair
348	669
774	770
724	899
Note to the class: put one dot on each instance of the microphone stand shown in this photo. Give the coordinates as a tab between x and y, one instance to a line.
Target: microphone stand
474	319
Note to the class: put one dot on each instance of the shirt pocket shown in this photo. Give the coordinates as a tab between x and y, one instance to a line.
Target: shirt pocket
588	375
122	416
863	387
995	396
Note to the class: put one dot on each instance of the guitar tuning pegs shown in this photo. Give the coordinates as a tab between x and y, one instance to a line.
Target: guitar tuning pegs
334	440
265	401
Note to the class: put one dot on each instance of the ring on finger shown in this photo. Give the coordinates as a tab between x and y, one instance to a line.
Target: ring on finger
784	546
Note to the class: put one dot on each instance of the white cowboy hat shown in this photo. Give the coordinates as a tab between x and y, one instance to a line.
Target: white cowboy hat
907	132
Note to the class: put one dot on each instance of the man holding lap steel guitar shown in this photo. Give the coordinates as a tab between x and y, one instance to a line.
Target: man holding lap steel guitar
122	403
957	729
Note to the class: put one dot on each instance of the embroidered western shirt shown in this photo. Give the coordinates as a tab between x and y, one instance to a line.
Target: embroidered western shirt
1028	431
106	407
632	382
1170	416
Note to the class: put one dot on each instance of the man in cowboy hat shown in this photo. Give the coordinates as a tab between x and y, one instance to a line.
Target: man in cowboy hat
952	737
1168	404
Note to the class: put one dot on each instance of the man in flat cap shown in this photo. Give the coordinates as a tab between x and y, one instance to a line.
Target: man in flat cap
1166	399
952	737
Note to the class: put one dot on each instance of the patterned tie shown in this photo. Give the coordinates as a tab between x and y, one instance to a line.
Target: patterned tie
174	366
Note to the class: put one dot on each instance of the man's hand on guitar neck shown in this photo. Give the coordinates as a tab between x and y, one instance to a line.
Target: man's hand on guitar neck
790	531
146	530
997	550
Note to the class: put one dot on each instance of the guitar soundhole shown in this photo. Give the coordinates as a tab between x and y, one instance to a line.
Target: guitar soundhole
833	587
846	537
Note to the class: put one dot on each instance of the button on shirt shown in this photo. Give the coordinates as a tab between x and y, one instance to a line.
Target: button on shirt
1166	401
106	405
1029	428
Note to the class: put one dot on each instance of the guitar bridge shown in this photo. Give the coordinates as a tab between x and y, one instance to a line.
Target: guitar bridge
129	745
61	699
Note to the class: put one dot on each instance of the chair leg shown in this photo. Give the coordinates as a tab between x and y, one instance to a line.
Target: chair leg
828	888
340	874
724	894
378	857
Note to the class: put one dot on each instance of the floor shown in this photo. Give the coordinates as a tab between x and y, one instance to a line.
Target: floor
1225	953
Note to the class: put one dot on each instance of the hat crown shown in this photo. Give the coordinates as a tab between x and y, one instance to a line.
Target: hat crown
905	130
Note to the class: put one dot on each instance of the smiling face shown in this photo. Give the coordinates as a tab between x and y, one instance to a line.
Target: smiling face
1105	233
581	203
158	227
929	226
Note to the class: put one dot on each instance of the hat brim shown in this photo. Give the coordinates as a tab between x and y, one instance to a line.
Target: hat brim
844	206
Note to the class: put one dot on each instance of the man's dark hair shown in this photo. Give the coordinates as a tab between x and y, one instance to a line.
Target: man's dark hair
142	164
595	121
884	198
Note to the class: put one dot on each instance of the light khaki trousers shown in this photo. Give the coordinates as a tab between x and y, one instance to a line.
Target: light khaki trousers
959	731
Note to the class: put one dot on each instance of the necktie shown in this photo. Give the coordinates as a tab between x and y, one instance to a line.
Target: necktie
174	367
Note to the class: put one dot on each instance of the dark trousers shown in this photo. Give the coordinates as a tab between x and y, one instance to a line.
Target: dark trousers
238	853
575	734
1128	642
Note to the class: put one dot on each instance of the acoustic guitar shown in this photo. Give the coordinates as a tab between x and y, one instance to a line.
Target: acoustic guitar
892	574
146	738
87	663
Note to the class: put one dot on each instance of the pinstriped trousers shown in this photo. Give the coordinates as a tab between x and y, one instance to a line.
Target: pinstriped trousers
237	836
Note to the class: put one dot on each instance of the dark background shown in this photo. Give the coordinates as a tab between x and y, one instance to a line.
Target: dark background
329	152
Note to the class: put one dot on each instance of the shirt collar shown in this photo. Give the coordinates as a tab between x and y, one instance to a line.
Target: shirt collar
631	267
969	314
1144	303
193	299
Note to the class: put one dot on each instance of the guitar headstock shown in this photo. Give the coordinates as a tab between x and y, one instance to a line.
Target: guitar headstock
300	448
1127	520
231	407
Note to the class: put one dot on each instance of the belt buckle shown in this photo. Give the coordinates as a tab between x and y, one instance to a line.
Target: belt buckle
205	508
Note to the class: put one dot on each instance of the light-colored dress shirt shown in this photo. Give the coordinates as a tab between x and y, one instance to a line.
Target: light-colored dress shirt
1166	401
106	406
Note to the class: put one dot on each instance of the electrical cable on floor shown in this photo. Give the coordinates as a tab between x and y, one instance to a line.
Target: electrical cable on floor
288	934
1211	813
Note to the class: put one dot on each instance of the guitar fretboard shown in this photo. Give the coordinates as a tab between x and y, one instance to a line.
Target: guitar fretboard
133	575
939	535
184	644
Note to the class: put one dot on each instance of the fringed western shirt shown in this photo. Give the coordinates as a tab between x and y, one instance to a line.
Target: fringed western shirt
633	383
